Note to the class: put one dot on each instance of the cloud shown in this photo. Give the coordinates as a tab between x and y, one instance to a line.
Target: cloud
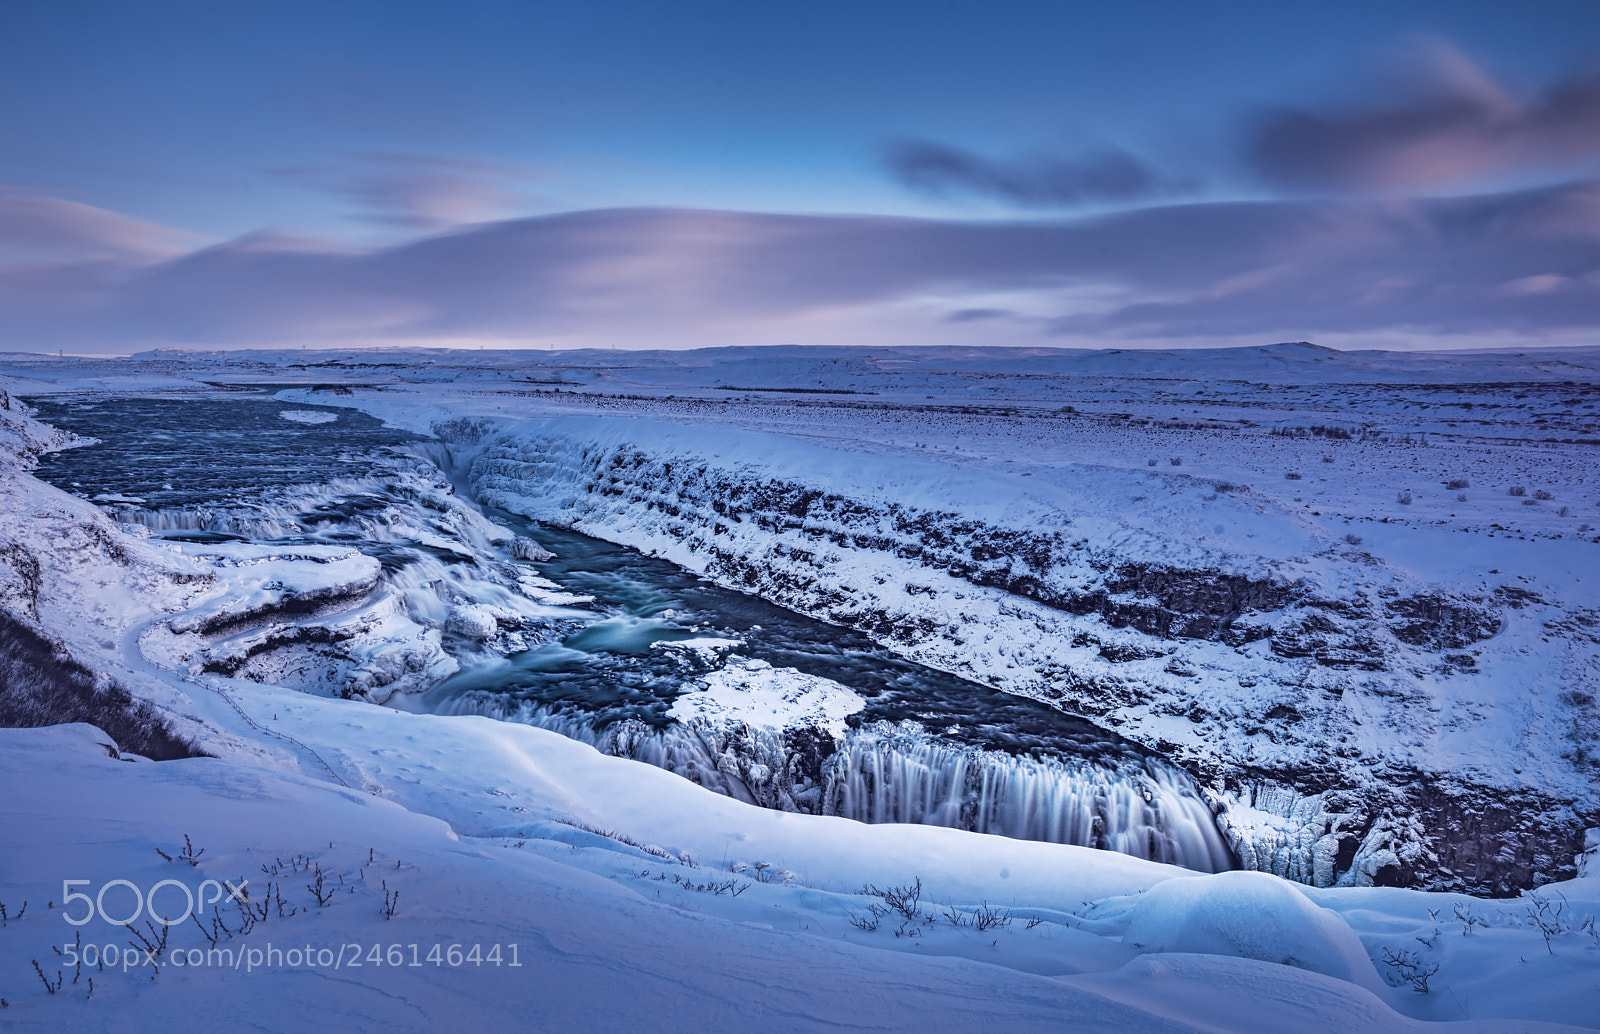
1450	126
36	227
977	315
420	192
1034	181
1458	270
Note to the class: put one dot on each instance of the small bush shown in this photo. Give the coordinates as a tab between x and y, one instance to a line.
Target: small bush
1530	502
1403	498
1549	917
1354	540
1327	459
1176	461
983	919
1458	483
1517	490
868	922
1542	494
1291	476
1151	463
1407	967
904	900
1461	497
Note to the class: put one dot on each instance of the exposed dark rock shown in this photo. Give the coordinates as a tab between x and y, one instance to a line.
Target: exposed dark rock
41	684
1305	636
20	579
1494	842
1119	652
1440	622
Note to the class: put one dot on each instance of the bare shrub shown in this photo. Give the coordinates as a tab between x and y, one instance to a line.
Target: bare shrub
1176	461
1468	920
1458	483
154	945
48	986
1549	917
188	854
1542	494
868	922
1403	498
1517	490
1291	476
903	899
1407	967
986	918
319	888
611	834
1354	540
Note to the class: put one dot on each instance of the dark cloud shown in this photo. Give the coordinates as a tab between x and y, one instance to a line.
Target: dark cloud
978	315
1510	263
1450	126
1036	181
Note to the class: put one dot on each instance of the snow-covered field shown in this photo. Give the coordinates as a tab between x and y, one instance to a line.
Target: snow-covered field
1376	677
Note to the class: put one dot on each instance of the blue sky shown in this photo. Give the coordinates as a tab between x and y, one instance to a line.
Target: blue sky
157	148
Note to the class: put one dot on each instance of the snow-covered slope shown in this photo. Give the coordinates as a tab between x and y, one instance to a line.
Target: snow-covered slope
724	913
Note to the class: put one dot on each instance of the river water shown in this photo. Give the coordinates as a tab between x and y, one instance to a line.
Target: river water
925	746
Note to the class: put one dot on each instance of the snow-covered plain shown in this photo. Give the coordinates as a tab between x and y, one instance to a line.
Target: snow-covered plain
637	898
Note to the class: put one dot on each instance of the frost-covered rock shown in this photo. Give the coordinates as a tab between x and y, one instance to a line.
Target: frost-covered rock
473	621
698	655
524	548
755	693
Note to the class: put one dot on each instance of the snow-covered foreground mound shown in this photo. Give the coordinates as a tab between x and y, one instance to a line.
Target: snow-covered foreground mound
544	925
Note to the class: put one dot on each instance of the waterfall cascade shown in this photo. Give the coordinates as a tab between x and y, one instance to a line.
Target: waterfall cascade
1143	808
897	772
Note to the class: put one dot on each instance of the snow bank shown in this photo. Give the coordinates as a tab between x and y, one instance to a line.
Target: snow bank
309	416
755	693
1248	915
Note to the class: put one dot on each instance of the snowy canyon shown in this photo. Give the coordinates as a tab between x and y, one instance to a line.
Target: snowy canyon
1329	616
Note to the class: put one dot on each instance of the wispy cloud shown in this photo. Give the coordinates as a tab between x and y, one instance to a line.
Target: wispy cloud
421	192
37	227
1041	180
1450	126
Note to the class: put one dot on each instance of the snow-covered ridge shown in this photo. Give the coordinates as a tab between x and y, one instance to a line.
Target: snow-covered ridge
1193	621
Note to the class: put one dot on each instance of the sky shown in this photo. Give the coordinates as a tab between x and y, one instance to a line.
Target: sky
634	174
